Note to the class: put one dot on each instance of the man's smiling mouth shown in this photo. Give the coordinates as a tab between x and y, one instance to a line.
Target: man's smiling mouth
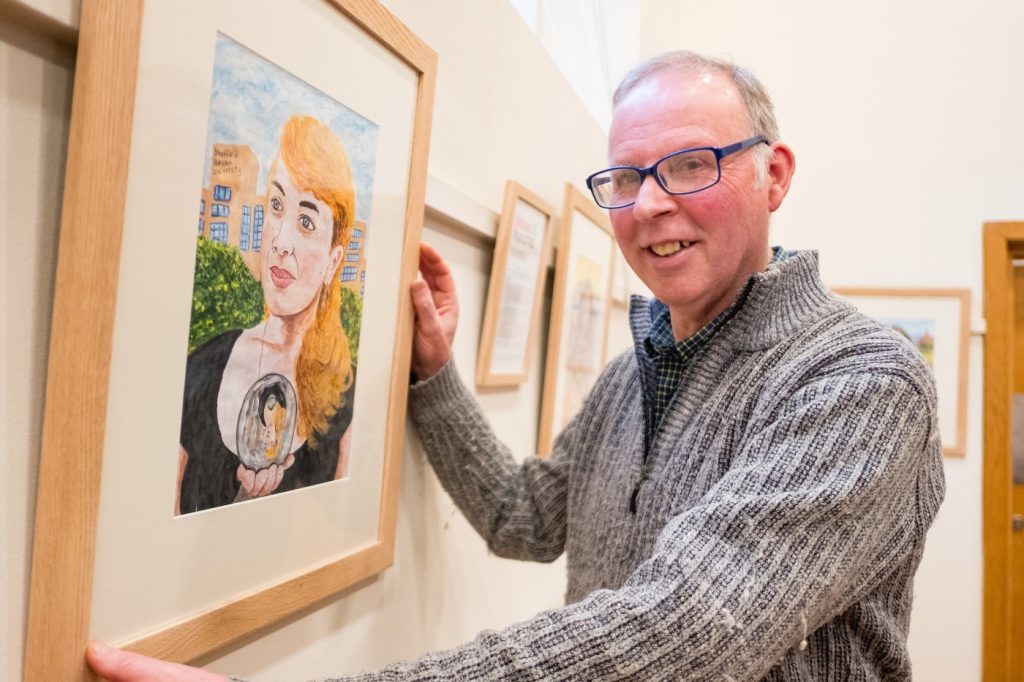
669	248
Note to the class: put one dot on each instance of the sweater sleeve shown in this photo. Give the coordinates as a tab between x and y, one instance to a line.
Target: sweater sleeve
821	501
519	509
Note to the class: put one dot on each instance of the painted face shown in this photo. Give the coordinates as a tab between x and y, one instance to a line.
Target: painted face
694	252
297	256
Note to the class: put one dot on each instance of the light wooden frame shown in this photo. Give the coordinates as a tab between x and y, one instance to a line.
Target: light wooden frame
1003	242
80	359
574	201
957	448
485	374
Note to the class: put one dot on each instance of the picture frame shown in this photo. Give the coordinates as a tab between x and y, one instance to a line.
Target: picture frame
516	291
577	346
120	321
937	321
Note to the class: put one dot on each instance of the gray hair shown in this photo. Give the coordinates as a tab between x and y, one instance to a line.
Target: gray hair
760	110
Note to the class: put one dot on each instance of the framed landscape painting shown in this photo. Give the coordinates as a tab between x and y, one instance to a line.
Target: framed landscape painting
580	311
516	290
937	323
230	342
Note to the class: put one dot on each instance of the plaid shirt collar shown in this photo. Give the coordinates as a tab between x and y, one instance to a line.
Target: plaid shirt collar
660	339
667	359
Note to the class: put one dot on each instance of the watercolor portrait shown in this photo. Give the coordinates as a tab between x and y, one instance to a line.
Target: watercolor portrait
277	296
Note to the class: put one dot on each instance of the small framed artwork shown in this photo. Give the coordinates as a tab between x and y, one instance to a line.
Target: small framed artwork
231	330
580	307
937	322
516	290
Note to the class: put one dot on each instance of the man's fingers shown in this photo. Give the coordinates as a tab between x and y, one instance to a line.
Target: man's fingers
435	271
429	256
116	665
426	310
437	311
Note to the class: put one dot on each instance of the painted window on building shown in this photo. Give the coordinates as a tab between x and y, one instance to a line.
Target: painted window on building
219	210
221	193
246	224
348	273
257	228
219	232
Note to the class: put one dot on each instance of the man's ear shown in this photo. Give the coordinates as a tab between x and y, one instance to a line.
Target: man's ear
780	173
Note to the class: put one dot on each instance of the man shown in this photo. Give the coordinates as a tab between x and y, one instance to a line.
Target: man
743	497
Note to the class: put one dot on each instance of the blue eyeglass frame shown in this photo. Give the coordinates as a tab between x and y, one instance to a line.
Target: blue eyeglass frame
719	152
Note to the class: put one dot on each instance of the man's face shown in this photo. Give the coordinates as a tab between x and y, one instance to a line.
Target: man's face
696	251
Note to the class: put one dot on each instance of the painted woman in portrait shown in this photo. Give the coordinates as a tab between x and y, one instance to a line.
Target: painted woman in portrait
268	408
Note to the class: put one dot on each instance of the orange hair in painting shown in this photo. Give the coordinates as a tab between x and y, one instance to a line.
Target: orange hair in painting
317	163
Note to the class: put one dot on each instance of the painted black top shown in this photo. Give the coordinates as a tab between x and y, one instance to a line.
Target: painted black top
210	475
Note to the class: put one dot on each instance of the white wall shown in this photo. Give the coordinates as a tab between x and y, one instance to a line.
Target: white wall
905	118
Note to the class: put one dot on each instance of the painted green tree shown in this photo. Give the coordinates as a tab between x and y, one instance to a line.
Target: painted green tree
225	295
352	319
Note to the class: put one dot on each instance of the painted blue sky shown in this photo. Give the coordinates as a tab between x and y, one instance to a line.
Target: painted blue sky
250	101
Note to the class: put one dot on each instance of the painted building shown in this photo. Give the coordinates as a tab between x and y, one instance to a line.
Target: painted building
231	209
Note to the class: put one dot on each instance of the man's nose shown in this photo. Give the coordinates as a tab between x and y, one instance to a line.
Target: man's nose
651	200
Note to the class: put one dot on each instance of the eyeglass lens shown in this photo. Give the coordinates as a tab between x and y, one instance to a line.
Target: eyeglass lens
688	171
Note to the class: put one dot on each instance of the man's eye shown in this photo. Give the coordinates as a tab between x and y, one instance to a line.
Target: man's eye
306	222
625	180
686	164
275	203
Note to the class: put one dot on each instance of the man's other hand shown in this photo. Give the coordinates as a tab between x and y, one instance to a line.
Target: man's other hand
437	314
116	665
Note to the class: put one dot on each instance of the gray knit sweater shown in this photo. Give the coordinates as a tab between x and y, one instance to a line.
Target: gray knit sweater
781	509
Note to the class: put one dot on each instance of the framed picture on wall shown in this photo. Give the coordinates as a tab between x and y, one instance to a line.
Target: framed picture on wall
516	290
937	322
230	342
580	306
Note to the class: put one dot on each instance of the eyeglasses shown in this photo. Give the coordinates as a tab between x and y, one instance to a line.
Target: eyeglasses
683	172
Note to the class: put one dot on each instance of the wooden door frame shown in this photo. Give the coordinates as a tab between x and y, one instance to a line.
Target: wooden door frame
1002	242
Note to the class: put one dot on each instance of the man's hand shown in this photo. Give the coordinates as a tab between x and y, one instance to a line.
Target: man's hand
437	314
122	666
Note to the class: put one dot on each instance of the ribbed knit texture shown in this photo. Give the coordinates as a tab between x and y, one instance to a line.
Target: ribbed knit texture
780	516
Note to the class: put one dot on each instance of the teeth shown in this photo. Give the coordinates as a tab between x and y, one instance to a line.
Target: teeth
669	248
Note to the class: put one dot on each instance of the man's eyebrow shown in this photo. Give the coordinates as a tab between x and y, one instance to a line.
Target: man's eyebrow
310	205
278	186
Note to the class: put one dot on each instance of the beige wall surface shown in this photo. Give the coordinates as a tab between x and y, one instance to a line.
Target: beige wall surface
35	100
905	118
